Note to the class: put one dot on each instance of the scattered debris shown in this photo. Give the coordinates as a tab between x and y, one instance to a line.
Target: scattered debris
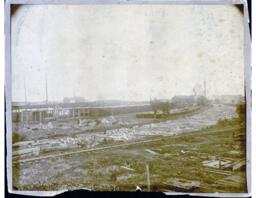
238	165
183	152
233	152
182	185
127	168
34	151
221	172
49	125
138	189
217	163
232	180
224	164
152	152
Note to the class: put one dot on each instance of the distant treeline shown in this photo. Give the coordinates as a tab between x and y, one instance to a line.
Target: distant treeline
167	115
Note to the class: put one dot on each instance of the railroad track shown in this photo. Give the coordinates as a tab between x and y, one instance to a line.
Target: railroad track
85	150
117	146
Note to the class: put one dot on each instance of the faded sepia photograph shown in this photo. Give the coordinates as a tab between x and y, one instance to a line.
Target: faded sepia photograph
128	97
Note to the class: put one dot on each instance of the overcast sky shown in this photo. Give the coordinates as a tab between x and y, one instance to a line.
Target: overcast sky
126	52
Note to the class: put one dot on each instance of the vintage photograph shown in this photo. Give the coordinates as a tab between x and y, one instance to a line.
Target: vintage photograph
128	97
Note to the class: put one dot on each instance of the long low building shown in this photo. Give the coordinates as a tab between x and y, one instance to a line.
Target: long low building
41	112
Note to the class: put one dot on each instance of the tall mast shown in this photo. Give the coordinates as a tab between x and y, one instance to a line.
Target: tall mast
46	91
25	90
24	114
74	93
204	88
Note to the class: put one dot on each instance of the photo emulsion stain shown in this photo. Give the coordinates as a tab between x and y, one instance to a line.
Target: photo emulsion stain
125	97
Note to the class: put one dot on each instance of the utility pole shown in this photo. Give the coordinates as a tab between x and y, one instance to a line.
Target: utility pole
204	88
194	91
25	114
74	93
46	91
148	177
25	89
46	101
40	118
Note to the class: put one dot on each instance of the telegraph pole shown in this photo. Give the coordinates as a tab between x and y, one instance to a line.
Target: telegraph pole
46	91
46	100
25	91
148	177
25	115
204	88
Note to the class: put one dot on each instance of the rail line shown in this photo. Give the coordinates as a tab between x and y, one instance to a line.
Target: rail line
120	145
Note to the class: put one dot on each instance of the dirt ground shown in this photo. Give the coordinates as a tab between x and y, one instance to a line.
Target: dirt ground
170	159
